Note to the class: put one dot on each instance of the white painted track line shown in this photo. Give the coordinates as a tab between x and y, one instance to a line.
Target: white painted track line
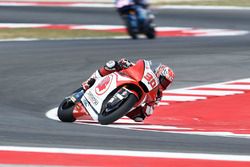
232	87
163	103
22	25
189	7
182	98
97	27
153	154
204	92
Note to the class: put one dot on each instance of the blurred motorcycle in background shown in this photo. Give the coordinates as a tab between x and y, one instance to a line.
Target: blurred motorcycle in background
136	25
137	18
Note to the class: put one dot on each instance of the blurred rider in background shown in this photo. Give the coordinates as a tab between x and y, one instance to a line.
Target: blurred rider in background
140	6
162	72
123	6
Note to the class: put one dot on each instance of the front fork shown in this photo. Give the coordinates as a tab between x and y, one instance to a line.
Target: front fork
76	96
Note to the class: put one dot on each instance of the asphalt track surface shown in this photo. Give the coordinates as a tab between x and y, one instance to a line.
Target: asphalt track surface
37	75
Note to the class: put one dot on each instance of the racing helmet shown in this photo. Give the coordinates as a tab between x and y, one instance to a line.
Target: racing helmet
165	75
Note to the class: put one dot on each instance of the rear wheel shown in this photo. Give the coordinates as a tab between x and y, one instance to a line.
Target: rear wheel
110	117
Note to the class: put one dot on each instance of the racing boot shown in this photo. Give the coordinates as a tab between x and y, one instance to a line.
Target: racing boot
137	114
140	113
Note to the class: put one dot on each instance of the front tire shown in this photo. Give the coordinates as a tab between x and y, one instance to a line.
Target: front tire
150	33
65	111
131	24
132	32
109	118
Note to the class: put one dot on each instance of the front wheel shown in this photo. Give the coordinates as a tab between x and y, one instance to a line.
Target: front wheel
108	118
65	111
132	26
132	32
150	33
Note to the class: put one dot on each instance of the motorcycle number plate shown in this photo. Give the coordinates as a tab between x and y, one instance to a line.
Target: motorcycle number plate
149	78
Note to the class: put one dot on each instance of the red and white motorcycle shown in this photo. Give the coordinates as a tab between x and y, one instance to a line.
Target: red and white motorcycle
113	96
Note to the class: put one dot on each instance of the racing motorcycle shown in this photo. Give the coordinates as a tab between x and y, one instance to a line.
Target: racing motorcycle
136	26
112	96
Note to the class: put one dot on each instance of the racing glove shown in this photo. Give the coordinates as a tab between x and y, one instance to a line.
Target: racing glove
112	66
124	63
109	67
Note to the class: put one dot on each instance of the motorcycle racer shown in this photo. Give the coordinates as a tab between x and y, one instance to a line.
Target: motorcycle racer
164	74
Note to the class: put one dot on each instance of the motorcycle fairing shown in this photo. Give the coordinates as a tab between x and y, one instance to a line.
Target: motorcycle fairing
143	73
146	78
89	109
149	77
102	88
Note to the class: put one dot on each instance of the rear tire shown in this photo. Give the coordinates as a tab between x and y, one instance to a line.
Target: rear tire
120	112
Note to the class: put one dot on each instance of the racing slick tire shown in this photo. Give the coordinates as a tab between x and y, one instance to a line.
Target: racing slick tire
65	111
119	112
150	33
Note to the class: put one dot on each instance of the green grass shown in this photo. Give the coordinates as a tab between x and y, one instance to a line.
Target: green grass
243	3
53	34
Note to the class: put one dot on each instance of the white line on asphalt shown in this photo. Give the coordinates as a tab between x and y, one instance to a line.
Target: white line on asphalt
93	5
246	80
22	25
149	127
147	154
62	39
97	27
232	87
182	98
204	92
163	103
189	7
